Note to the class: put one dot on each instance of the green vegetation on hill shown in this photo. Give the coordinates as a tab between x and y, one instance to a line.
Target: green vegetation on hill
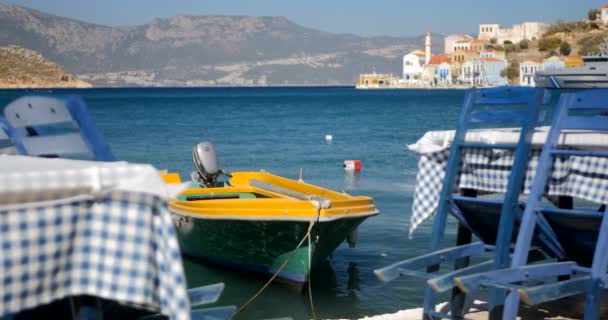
562	38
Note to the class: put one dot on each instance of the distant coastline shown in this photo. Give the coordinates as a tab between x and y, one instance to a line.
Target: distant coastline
349	86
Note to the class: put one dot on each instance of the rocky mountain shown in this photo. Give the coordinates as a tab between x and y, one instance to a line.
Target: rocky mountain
25	68
203	50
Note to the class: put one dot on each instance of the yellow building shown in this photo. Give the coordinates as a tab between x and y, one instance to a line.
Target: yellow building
376	80
459	57
477	45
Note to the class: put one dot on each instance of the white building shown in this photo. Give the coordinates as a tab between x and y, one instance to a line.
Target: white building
439	70
484	72
527	69
604	13
413	64
518	32
500	55
450	40
462	45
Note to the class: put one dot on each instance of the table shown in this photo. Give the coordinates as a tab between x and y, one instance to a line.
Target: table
487	170
70	228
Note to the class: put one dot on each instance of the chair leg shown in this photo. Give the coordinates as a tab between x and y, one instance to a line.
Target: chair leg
511	306
457	301
564	202
429	303
594	300
598	271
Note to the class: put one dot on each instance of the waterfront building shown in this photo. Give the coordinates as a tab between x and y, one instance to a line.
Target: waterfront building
527	69
439	70
462	45
478	45
458	58
604	13
492	67
451	40
493	54
518	32
376	80
413	63
484	72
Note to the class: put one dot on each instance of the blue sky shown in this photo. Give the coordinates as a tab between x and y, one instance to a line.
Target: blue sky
369	17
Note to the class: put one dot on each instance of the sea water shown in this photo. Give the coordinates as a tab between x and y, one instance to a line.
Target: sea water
282	130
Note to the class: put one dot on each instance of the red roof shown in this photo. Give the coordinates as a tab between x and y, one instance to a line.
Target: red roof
439	59
463	41
605	6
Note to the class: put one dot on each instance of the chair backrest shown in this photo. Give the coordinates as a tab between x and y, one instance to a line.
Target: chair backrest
7	145
586	111
508	106
54	127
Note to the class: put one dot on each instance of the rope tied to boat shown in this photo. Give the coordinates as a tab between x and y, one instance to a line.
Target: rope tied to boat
319	205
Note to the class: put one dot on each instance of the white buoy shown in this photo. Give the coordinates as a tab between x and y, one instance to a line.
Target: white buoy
328	137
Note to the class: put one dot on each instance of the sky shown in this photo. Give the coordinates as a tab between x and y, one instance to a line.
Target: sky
369	17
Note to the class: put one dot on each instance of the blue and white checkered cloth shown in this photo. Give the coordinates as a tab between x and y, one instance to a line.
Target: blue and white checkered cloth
119	246
488	171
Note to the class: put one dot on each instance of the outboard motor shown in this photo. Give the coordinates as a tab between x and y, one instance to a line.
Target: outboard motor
205	160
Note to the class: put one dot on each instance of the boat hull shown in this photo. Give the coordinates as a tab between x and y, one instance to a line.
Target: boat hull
572	81
262	246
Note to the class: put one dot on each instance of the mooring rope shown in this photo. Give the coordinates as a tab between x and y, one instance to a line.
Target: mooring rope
312	305
307	236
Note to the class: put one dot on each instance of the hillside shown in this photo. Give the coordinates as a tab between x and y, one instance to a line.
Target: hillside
203	50
25	68
565	39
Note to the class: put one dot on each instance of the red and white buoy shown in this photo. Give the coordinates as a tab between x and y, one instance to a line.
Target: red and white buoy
352	165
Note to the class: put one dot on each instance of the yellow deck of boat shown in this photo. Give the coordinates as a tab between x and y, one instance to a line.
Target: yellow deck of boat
280	199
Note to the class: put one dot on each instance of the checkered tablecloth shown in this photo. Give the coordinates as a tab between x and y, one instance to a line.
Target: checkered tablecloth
488	170
85	230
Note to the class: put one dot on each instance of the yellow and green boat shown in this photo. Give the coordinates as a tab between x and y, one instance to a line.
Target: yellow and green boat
259	222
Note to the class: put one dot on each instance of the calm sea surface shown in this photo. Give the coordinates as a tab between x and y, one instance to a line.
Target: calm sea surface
282	130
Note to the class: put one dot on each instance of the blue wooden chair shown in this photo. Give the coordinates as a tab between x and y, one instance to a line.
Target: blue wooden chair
53	127
583	233
7	145
492	221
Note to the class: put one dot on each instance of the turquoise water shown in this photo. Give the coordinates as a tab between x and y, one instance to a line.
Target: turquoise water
282	130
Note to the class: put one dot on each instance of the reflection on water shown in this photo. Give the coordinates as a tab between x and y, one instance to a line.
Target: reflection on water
353	277
352	180
329	288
